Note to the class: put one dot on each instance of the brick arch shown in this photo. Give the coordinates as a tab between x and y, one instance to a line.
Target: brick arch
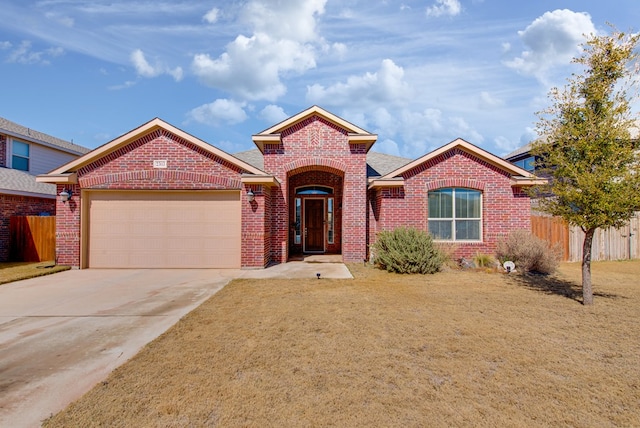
456	182
165	179
315	164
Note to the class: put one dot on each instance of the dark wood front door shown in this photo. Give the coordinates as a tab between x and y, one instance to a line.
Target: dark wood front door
314	225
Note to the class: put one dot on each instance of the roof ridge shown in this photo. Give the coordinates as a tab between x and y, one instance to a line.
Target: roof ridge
31	134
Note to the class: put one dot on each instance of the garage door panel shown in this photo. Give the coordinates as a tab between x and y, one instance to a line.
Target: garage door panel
164	229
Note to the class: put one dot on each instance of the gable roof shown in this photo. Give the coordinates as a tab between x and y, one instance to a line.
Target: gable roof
22	132
378	164
355	133
519	176
66	173
16	182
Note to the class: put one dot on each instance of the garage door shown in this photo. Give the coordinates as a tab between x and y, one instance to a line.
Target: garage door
164	229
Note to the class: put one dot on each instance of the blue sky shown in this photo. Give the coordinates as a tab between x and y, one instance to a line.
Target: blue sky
417	73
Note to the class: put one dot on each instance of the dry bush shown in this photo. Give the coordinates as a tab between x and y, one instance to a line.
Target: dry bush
448	251
407	250
484	260
528	252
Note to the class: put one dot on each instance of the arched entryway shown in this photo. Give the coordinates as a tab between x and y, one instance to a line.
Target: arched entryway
315	212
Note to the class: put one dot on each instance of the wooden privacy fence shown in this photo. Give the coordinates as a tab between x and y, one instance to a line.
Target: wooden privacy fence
554	230
608	244
32	239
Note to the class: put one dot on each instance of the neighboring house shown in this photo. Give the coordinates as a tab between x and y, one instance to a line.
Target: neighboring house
25	153
608	244
157	197
523	158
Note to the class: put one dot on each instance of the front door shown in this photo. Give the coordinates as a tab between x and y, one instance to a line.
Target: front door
314	225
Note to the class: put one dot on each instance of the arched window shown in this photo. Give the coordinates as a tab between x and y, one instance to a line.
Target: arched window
455	214
314	190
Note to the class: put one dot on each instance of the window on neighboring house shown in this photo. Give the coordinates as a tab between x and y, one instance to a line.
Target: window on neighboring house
528	164
455	214
20	155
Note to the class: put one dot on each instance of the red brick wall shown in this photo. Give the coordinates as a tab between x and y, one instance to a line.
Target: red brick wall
504	208
188	167
68	226
256	235
14	205
315	144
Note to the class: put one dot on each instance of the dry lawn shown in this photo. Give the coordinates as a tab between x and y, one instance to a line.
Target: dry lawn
451	349
16	271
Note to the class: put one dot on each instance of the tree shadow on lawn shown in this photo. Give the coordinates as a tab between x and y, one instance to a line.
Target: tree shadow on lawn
552	285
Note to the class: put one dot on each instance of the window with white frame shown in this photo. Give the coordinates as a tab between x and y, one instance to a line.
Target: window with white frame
455	214
20	155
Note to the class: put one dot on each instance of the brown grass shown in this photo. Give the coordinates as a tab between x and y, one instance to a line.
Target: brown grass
16	271
452	349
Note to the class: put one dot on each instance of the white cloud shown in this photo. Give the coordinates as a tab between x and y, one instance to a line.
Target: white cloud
445	7
488	101
340	49
63	20
284	19
23	54
252	66
221	111
212	16
388	146
125	85
550	40
5	45
145	69
283	42
385	86
272	114
504	145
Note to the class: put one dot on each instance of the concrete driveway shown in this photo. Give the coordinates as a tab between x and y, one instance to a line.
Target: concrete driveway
61	334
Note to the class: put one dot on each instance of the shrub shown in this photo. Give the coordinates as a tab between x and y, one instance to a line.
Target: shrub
528	252
484	260
407	250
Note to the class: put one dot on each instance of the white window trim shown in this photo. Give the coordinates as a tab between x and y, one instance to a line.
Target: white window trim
453	220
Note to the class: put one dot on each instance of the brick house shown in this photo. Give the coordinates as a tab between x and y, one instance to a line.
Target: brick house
159	197
25	153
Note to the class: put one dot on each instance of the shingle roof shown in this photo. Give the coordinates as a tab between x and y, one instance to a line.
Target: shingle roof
378	164
517	152
19	131
252	157
16	181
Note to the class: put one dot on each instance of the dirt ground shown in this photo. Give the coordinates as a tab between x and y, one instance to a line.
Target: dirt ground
459	348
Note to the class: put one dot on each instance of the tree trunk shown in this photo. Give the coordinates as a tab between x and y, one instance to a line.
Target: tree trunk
587	291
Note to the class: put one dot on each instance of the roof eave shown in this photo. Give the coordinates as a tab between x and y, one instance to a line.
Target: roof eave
517	181
64	178
138	133
263	180
261	139
377	183
28	194
469	148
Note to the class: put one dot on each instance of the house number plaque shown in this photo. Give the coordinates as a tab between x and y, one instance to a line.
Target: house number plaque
160	163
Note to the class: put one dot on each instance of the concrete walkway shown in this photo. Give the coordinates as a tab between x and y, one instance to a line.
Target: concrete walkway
61	334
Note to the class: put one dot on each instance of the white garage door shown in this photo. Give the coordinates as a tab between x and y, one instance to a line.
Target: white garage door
164	229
